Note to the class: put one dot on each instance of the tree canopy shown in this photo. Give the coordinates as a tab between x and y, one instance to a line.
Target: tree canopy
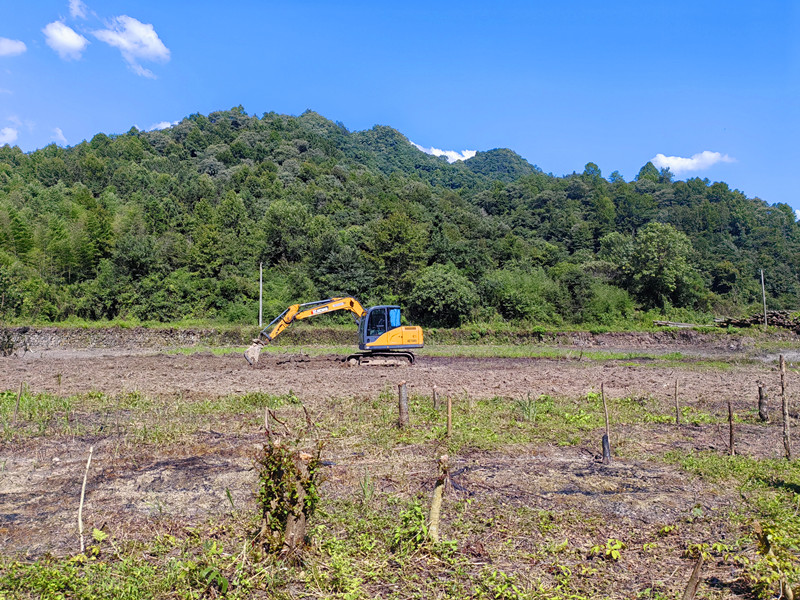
172	224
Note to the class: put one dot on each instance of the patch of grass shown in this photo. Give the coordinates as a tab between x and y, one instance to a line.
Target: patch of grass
486	423
534	351
133	415
37	415
739	469
237	404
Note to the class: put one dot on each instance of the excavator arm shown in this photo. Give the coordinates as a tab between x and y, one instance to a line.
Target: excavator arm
298	312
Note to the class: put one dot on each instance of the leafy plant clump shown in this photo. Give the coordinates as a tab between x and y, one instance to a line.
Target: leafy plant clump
287	496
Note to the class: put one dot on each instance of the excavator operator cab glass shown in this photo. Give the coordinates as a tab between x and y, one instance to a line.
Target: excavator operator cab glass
376	323
379	320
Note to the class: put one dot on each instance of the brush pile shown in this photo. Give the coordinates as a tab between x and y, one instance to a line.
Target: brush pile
784	319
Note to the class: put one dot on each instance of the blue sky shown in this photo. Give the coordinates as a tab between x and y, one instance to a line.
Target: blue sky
712	87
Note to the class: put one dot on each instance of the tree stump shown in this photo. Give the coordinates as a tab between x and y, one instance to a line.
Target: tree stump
436	500
287	496
402	405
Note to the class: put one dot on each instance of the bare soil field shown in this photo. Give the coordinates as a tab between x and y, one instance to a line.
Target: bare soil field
320	377
529	503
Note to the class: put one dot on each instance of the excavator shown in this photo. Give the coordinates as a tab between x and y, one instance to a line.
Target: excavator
380	334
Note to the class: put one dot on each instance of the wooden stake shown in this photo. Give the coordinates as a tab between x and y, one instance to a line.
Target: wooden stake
402	405
16	408
694	581
83	494
435	398
677	406
606	450
731	442
449	416
785	405
763	414
605	411
436	500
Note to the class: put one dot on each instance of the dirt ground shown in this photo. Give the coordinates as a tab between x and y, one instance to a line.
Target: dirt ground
134	488
322	377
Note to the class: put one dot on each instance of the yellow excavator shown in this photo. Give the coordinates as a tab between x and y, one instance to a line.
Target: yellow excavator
380	334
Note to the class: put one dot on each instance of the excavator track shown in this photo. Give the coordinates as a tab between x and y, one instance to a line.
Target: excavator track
380	357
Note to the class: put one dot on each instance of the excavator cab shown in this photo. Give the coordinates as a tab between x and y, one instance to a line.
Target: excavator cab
380	330
377	321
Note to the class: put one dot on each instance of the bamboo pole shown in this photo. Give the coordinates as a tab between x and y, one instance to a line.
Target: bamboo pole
16	406
449	416
260	294
731	441
785	405
677	406
83	494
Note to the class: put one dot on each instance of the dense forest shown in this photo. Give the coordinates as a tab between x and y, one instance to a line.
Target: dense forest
172	224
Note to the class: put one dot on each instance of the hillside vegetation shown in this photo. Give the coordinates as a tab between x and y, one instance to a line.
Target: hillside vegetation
172	224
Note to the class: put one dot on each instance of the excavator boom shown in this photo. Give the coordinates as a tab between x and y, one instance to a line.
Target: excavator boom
298	312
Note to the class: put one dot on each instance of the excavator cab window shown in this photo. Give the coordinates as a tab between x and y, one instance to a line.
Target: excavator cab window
376	325
394	317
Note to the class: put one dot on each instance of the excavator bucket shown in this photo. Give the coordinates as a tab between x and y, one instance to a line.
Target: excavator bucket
251	354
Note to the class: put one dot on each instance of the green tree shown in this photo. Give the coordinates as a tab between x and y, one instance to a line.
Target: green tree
658	265
397	247
442	296
649	172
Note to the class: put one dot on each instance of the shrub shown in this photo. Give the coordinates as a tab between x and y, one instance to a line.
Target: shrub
521	294
608	305
442	296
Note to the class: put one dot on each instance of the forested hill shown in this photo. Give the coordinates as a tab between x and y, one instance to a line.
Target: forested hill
170	224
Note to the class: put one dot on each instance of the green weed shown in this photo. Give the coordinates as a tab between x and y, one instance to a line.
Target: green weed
412	532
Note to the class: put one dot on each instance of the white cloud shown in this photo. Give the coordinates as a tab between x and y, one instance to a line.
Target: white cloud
11	47
5	91
64	40
698	162
58	136
8	135
19	123
451	155
797	214
162	125
136	41
77	9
